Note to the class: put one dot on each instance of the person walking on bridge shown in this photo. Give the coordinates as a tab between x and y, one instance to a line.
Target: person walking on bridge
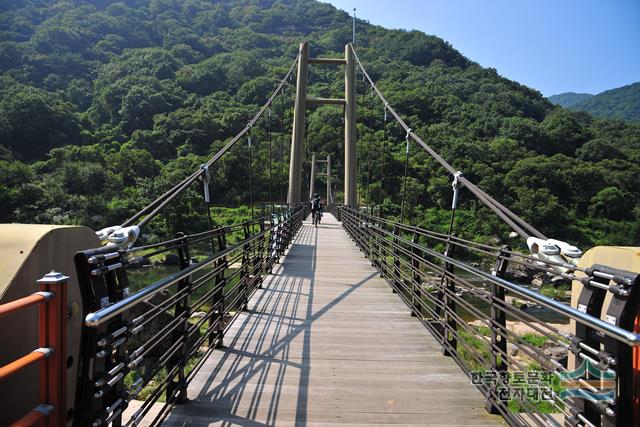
316	209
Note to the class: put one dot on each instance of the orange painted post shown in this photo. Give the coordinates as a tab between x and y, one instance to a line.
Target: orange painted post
53	333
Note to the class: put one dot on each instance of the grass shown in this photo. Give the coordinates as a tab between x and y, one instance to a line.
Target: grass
481	348
477	345
484	330
534	339
544	407
143	277
560	293
140	278
159	378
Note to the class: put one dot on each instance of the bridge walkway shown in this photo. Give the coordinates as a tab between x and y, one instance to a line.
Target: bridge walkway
326	342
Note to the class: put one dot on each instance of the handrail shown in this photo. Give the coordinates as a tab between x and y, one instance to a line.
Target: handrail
122	337
604	348
50	356
97	318
519	225
628	337
158	204
192	238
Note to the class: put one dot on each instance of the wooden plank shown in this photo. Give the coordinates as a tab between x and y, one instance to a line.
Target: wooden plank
312	418
327	342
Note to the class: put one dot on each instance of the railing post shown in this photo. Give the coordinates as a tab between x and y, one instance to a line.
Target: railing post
386	265
244	274
498	327
396	260
272	245
182	309
382	255
416	278
346	217
626	312
282	233
590	301
375	243
260	261
286	228
298	222
354	226
366	232
52	333
103	358
622	311
449	289
216	336
282	224
360	232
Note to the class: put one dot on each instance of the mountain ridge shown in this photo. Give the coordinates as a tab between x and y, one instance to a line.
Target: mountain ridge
619	103
103	105
568	99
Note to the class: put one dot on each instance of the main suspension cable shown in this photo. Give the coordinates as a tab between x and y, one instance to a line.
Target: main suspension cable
153	208
518	224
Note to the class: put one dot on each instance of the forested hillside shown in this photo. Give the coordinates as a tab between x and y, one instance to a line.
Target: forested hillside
569	99
103	105
619	103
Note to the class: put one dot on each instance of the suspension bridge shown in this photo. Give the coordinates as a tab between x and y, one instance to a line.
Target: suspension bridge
364	319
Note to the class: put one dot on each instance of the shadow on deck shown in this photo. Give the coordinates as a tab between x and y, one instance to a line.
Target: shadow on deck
326	342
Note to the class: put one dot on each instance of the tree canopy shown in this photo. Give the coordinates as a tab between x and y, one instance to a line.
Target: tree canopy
104	105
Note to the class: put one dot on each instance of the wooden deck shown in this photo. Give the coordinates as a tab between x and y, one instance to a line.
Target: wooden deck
327	342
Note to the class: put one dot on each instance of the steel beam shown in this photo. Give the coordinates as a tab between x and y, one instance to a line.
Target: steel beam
333	101
350	195
337	61
297	137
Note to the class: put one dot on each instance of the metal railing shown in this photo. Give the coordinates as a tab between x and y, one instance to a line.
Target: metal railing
151	343
50	356
504	333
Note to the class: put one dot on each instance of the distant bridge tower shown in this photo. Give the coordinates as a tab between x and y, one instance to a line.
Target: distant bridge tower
299	116
312	183
327	174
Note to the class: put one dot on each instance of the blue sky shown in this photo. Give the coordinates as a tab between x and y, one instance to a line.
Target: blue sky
554	46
